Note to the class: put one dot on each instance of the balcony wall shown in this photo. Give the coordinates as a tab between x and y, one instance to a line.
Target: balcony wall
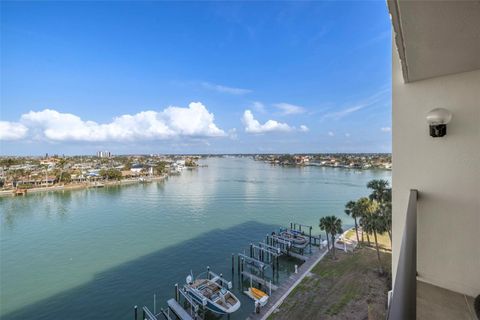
446	172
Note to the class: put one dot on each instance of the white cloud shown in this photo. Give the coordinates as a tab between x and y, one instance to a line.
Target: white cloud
304	128
253	126
232	133
331	134
340	114
194	121
369	101
386	129
259	107
12	130
288	109
225	89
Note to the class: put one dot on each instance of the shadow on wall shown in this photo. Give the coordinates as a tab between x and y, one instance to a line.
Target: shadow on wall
113	293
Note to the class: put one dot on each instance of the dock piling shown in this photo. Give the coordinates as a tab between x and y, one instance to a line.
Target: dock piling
238	264
135	312
177	296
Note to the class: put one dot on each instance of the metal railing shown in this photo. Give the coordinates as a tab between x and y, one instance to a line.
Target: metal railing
403	304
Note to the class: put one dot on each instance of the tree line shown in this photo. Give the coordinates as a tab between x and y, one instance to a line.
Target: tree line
372	215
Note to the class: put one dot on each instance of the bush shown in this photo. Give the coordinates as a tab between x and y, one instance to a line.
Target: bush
111	174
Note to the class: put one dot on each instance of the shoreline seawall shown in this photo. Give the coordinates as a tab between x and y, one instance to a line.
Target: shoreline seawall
80	186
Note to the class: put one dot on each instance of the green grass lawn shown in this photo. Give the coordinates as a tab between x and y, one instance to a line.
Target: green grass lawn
349	287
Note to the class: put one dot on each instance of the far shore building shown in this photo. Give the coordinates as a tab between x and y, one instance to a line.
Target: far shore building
104	154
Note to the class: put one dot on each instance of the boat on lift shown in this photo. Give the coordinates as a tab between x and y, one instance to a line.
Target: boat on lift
213	292
257	295
296	238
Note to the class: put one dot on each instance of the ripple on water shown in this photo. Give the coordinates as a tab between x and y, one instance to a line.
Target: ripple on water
95	253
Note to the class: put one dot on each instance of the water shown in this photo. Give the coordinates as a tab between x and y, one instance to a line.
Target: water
96	253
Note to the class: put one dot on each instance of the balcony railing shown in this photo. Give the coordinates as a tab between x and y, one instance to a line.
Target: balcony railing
403	304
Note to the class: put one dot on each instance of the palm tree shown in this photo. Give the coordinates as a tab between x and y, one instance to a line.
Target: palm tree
379	189
351	210
61	166
386	213
373	223
382	194
333	226
323	226
364	206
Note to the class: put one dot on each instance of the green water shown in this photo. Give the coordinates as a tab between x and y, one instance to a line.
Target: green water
88	254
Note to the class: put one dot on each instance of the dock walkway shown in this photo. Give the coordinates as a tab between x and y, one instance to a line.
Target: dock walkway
288	285
178	310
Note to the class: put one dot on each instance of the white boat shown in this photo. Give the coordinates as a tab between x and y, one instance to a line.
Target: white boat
297	240
213	293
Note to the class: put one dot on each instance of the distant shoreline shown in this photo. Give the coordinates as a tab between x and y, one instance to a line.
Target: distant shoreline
79	186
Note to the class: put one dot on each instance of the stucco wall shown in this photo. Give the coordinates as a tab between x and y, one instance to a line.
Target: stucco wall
446	172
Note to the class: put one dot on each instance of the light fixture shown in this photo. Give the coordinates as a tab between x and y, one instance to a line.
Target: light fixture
437	119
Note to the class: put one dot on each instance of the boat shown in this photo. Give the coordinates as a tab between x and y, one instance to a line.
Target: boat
257	295
98	185
213	293
297	240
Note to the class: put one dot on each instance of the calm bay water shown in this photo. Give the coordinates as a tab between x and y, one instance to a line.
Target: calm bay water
88	254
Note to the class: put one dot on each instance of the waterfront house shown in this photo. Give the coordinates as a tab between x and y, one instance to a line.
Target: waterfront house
436	179
136	168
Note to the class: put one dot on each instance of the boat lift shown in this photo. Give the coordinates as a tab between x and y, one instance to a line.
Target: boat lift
219	278
174	309
262	253
272	249
280	242
297	227
260	265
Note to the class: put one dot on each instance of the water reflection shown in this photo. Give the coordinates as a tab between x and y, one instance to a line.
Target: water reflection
54	243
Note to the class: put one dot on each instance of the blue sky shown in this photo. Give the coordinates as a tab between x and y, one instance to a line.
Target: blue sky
195	77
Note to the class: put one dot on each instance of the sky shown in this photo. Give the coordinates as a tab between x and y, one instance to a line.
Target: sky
194	77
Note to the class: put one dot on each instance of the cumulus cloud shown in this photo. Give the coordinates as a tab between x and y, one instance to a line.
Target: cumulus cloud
254	126
12	130
386	129
194	121
224	89
288	109
304	128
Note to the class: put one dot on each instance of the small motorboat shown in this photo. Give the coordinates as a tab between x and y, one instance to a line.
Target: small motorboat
297	240
257	295
213	293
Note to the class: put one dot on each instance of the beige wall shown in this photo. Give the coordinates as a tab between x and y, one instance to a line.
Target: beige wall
446	172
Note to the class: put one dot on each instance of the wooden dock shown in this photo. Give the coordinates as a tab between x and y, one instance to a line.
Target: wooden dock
288	285
297	255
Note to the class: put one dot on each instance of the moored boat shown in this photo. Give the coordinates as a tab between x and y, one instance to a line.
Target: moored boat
213	293
257	295
297	240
